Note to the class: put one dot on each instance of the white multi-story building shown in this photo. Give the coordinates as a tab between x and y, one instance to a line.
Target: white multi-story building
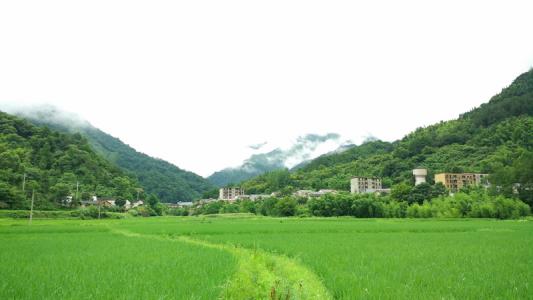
360	185
230	193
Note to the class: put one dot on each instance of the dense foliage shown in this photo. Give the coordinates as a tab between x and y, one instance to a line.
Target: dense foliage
473	204
496	138
52	164
83	213
156	176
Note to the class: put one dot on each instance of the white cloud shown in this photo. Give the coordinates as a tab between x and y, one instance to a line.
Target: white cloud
196	82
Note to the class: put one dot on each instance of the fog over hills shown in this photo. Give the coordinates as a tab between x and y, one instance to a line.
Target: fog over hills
167	181
268	158
172	182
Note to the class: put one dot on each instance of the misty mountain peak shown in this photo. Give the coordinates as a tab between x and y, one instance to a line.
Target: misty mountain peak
49	115
304	148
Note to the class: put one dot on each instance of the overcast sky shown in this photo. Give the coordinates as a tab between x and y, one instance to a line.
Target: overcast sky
196	82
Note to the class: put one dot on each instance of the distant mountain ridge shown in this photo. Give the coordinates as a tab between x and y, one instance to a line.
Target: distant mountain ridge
296	156
156	176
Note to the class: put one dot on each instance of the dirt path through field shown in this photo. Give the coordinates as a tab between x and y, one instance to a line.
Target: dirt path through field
260	275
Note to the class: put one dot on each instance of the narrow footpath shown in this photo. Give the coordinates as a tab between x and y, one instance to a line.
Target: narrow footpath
260	274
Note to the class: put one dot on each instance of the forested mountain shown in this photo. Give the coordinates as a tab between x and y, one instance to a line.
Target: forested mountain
52	164
156	176
496	137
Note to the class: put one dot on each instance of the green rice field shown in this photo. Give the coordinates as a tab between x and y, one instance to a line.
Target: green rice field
248	257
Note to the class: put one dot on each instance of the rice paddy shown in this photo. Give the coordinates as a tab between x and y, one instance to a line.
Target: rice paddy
266	258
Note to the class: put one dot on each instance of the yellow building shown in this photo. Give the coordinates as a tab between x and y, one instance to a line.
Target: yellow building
456	181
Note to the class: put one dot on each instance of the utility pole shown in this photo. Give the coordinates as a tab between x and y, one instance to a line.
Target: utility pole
24	183
31	207
77	188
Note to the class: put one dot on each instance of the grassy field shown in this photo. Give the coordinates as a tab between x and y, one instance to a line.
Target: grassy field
87	260
251	257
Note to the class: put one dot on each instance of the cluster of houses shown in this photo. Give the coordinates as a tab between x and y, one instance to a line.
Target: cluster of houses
362	185
110	203
236	193
179	204
358	185
129	204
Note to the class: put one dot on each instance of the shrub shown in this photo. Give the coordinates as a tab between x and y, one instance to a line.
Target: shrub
142	211
302	211
267	206
367	208
285	207
229	208
394	209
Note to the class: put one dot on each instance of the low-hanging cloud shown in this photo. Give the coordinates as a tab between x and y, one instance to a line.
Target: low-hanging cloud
257	146
46	114
304	148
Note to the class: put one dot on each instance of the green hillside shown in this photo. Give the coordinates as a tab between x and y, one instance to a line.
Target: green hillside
156	176
496	137
53	163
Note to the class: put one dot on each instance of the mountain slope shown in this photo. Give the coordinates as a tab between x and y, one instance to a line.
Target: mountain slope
156	176
483	140
53	164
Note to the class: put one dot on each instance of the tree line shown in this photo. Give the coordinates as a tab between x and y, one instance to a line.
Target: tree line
474	203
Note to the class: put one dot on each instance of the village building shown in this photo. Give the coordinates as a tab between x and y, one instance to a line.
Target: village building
205	201
456	181
311	194
137	203
178	204
106	202
130	205
382	191
230	193
303	193
420	175
253	197
361	185
324	192
85	203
